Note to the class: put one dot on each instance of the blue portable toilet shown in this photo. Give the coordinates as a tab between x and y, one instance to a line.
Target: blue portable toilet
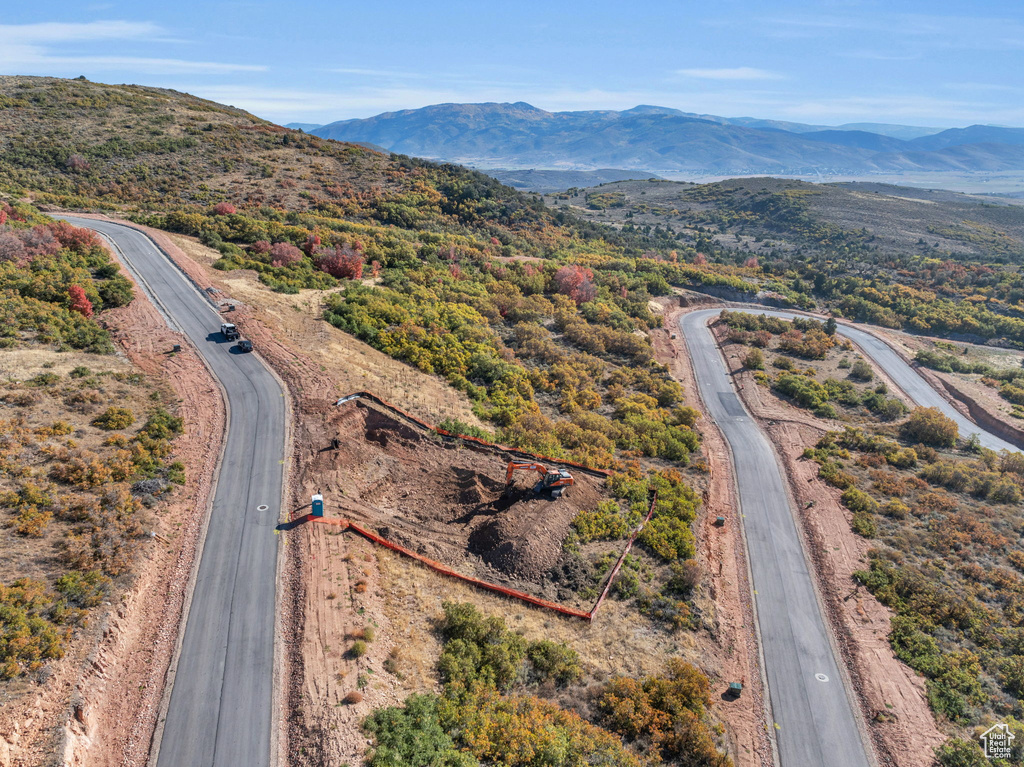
318	505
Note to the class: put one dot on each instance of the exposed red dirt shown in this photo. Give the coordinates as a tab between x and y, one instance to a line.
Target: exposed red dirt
102	700
445	499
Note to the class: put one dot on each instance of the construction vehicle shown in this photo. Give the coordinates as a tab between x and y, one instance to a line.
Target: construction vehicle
244	345
229	331
553	481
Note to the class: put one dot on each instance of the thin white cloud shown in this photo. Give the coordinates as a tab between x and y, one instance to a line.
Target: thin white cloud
730	73
154	66
36	48
933	31
59	32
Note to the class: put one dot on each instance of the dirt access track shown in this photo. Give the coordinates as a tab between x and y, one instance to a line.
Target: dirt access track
445	499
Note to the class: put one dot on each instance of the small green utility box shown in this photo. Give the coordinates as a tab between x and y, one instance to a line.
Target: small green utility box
720	522
735	689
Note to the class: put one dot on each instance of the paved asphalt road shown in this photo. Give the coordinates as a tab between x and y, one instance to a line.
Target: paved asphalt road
220	710
919	390
810	705
815	717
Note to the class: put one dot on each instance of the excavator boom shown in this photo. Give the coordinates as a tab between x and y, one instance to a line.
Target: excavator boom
552	480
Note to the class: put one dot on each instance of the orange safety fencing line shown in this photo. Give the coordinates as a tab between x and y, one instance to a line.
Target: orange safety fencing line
618	565
521	595
445	570
437	430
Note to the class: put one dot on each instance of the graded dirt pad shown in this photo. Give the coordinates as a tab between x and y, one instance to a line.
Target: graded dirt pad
445	499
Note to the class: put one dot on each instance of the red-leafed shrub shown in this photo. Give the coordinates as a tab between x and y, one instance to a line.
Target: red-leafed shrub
311	244
375	269
224	209
577	282
700	260
344	262
39	241
12	249
751	263
3	217
260	247
79	302
284	254
77	163
76	238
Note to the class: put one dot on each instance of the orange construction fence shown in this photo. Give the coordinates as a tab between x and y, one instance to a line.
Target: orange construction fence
444	433
345	524
444	569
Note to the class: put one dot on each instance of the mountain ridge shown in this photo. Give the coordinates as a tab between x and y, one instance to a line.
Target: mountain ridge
662	139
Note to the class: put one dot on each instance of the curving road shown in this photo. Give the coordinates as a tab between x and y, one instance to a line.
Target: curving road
220	708
816	723
816	718
908	379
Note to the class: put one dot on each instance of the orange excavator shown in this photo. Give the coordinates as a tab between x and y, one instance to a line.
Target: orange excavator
553	481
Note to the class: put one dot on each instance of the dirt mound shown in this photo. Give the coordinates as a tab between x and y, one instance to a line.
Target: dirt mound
443	498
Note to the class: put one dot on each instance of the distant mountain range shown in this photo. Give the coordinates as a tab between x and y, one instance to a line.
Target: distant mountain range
659	139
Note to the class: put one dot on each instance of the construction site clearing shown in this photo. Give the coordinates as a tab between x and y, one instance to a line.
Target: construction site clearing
447	499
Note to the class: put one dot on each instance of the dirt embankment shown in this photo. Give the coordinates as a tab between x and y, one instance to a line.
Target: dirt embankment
725	589
891	695
100	703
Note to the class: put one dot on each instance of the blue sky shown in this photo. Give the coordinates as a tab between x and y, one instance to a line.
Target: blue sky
921	63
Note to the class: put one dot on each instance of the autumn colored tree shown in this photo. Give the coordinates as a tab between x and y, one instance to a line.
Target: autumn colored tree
700	260
39	241
311	244
76	238
3	217
577	282
77	163
79	301
12	249
284	254
224	209
929	426
344	262
260	247
751	263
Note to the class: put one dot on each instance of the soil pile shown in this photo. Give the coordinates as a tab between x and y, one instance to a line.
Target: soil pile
443	498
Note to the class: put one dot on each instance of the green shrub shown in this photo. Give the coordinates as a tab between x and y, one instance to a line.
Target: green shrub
929	426
162	425
413	736
114	418
858	501
358	649
754	360
861	371
555	661
863	524
605	523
